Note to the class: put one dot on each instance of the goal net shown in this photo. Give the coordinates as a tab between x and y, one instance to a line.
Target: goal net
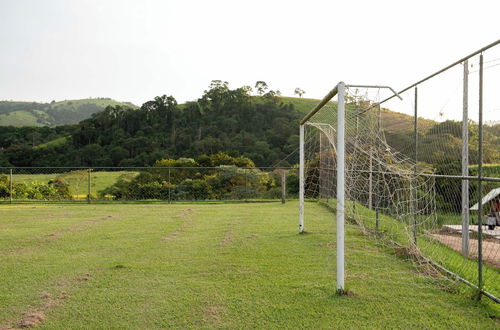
362	178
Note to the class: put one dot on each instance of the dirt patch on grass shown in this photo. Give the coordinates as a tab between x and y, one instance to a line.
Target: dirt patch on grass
46	300
227	239
82	278
253	236
211	314
171	236
55	235
184	215
329	245
32	319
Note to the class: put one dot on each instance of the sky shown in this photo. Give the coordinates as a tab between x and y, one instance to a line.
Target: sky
136	50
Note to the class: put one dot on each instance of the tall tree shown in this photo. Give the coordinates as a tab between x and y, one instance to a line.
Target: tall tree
299	91
261	87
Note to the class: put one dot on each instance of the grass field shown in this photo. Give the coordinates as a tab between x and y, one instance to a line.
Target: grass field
209	265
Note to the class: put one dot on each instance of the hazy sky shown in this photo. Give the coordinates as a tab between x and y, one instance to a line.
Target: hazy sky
135	50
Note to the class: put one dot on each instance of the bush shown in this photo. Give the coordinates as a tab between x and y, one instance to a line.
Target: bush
190	181
41	191
193	190
4	186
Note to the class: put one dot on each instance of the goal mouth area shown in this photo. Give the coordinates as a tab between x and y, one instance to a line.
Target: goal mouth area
336	135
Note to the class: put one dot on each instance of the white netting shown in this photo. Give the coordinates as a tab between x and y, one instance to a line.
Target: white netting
414	205
386	192
377	177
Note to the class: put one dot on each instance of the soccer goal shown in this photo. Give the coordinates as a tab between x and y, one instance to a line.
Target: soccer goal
346	164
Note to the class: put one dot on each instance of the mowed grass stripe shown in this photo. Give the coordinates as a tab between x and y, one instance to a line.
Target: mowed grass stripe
222	265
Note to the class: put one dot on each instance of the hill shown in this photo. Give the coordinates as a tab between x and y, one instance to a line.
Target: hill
15	113
392	121
262	128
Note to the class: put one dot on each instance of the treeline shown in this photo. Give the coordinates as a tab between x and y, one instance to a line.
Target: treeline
231	120
262	128
442	143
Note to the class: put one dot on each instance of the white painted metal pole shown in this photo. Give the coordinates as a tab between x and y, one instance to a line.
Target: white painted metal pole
301	181
465	162
340	185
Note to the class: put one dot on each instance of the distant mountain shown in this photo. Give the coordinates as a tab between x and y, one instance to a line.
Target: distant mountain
14	113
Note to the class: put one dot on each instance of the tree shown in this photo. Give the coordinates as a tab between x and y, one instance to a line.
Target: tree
299	91
261	87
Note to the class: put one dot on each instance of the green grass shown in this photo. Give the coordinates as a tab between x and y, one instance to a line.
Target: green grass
78	180
199	265
303	104
54	143
19	118
441	254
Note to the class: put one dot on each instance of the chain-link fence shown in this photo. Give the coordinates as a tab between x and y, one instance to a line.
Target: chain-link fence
455	143
146	184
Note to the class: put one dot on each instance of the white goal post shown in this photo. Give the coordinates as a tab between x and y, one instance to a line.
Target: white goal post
339	150
337	90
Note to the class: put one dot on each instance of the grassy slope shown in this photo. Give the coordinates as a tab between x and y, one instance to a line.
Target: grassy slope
391	121
19	118
186	265
40	117
53	143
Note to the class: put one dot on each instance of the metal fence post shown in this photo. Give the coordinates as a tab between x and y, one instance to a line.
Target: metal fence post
88	187
11	186
480	184
379	169
415	137
301	178
465	161
283	186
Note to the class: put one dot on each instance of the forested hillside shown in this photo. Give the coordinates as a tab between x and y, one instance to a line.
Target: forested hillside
13	113
263	128
233	121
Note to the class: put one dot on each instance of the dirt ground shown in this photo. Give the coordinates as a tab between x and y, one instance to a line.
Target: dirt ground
491	246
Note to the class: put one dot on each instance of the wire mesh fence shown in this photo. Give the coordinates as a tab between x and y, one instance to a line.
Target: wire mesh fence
424	176
146	184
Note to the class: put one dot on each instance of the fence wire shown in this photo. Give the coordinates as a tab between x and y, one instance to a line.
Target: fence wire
146	184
